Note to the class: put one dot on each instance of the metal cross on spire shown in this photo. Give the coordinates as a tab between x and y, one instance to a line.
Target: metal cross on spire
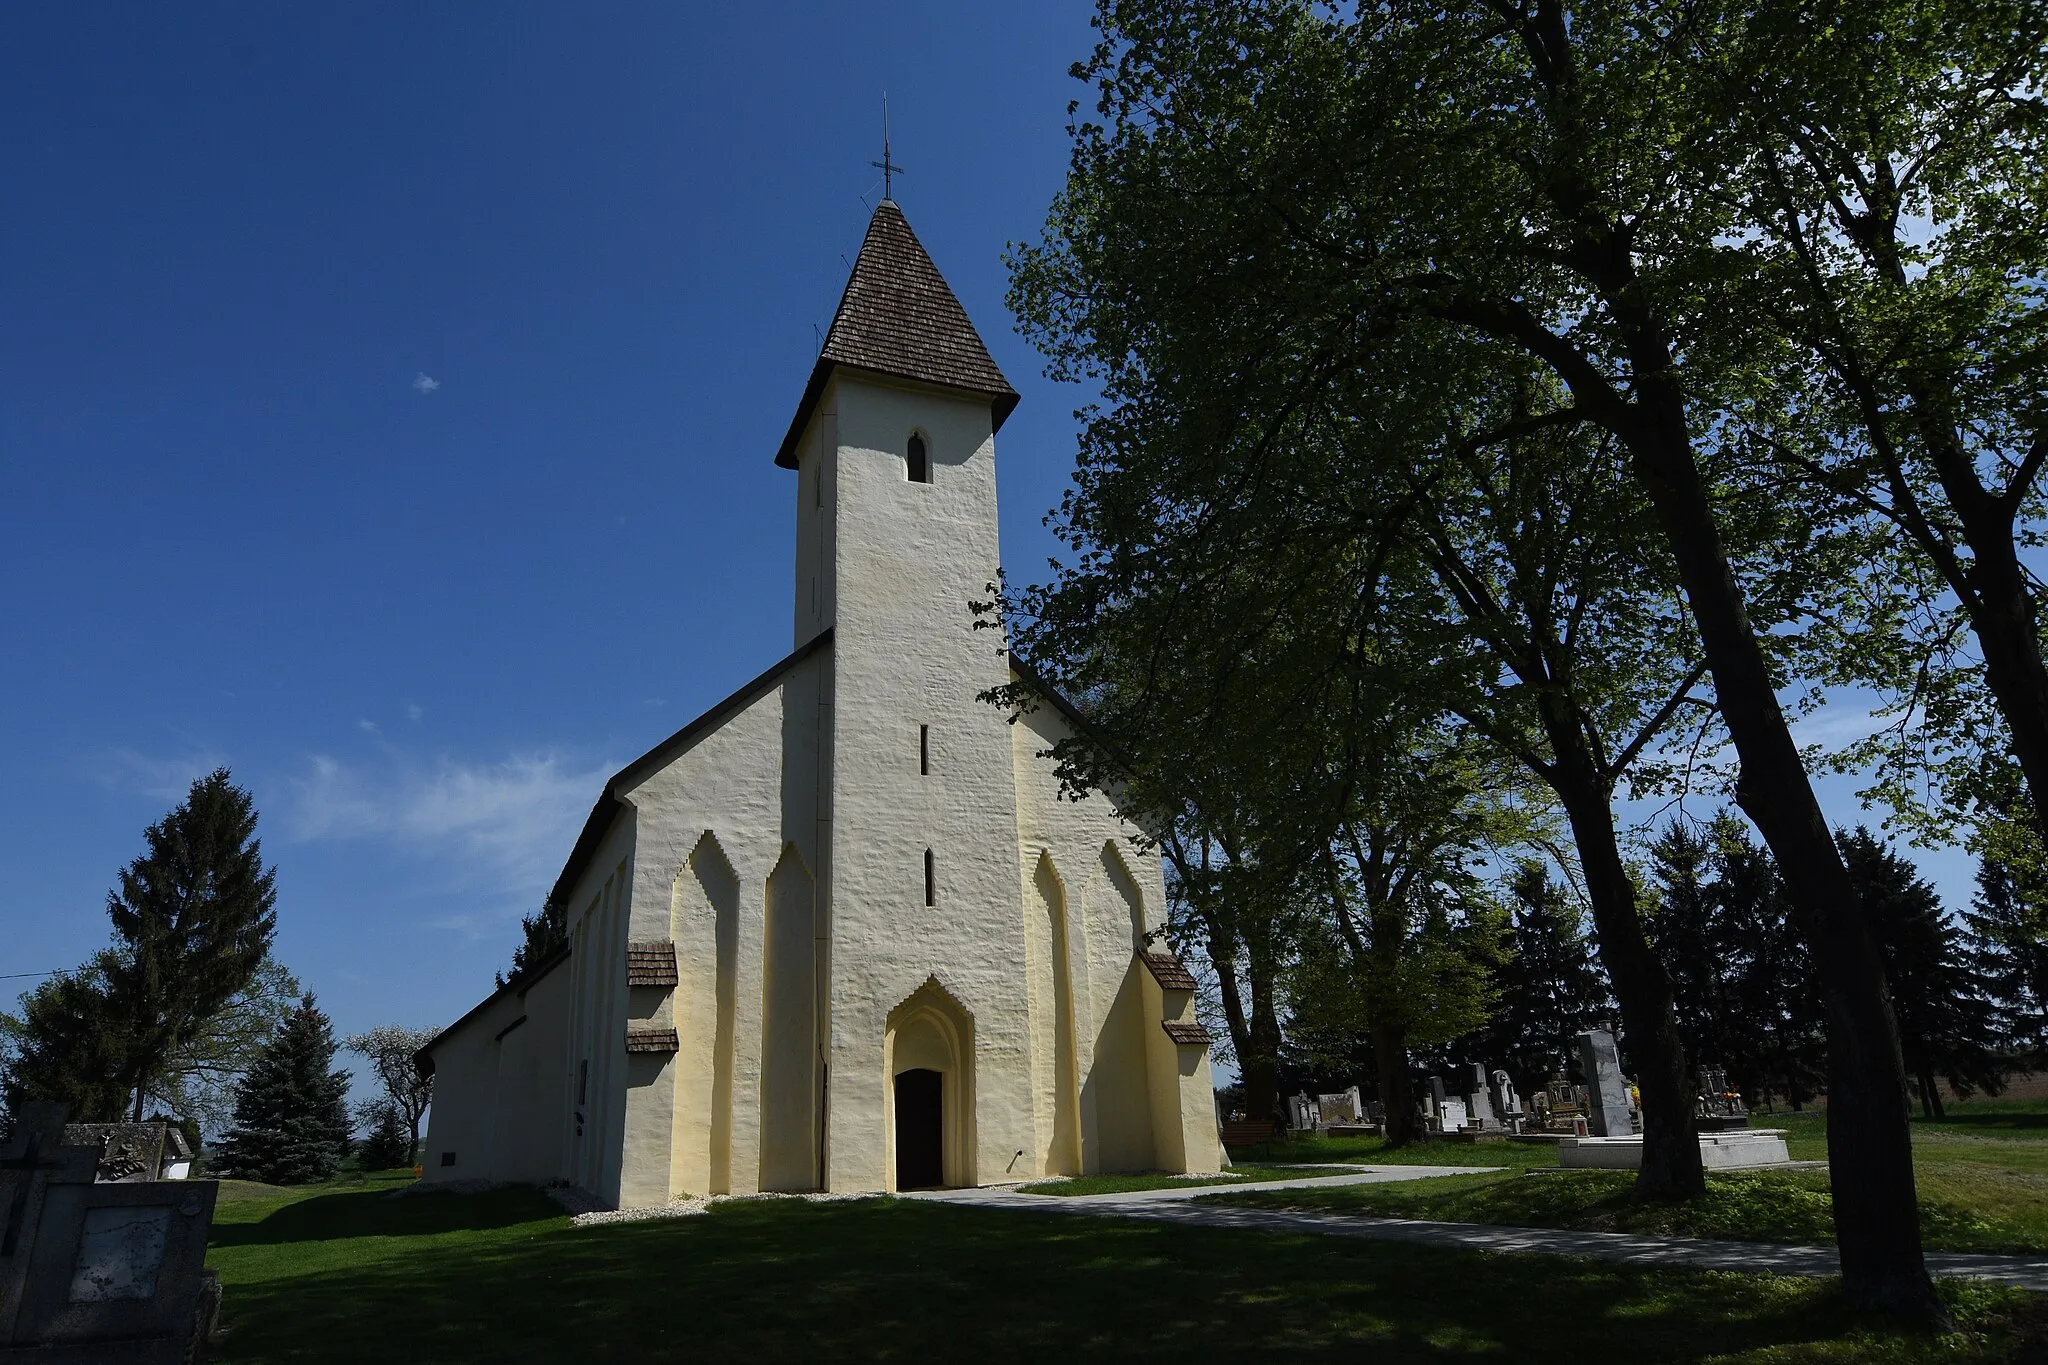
886	166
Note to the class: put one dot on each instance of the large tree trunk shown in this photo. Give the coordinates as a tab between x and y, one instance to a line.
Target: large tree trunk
1260	1061
1223	951
1671	1146
1870	1151
1397	1099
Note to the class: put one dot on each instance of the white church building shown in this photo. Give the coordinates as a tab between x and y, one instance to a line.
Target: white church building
843	932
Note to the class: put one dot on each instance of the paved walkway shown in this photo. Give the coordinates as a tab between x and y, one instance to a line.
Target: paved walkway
1697	1253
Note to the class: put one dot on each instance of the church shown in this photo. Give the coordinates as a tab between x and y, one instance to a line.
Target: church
843	931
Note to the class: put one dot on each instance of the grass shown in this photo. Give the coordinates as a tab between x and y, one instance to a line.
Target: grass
351	1273
1373	1151
1982	1176
1239	1174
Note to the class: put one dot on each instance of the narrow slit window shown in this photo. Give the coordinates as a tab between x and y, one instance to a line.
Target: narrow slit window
931	879
924	750
583	1082
920	460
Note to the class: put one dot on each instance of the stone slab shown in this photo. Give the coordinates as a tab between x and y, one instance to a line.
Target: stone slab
1748	1149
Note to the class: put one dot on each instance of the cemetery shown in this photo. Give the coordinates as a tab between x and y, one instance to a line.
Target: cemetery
1483	798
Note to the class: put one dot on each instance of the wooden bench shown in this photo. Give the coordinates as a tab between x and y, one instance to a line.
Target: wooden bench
1250	1133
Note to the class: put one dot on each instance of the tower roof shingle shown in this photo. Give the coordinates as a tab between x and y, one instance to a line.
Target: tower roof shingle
899	317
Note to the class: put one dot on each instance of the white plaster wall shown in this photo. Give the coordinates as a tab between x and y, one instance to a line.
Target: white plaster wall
463	1117
595	1112
1130	1111
531	1061
907	560
752	786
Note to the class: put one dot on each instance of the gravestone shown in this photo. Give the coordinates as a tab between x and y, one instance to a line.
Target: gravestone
1507	1104
133	1151
105	1272
1302	1115
1606	1094
1436	1091
1342	1108
1478	1101
1453	1115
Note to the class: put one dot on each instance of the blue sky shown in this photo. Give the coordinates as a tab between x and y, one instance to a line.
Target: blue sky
388	398
390	401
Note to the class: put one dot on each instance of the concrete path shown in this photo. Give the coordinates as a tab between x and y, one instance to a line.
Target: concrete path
1696	1253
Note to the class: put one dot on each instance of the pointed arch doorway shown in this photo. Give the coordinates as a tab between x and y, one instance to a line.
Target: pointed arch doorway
929	1057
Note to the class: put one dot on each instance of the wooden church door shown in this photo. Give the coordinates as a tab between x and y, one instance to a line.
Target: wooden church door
920	1130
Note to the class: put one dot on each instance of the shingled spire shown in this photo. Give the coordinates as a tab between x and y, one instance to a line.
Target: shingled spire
898	317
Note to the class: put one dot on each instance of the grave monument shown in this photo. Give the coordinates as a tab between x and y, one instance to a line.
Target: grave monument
98	1272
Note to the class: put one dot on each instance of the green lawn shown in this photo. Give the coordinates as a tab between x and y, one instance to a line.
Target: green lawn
352	1274
1372	1151
1982	1177
1240	1174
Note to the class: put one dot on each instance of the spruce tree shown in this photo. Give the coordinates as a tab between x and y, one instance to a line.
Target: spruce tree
291	1111
1550	989
543	933
387	1143
1946	1024
193	919
2006	937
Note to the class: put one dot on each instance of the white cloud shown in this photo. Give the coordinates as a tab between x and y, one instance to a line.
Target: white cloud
368	727
424	383
165	779
415	711
493	828
1837	725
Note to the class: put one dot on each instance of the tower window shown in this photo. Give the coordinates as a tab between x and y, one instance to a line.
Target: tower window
920	460
924	750
931	879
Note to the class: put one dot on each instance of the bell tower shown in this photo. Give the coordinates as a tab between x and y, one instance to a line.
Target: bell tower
894	451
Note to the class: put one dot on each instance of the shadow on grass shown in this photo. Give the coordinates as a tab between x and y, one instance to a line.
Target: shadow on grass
905	1280
351	1213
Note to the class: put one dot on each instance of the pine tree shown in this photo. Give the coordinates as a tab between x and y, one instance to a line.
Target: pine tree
1683	924
543	933
193	919
1742	978
1947	1028
2006	937
291	1112
387	1144
1776	1040
1550	989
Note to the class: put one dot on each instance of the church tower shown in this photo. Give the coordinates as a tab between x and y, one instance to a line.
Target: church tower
894	451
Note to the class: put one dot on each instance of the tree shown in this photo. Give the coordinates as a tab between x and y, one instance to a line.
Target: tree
291	1109
1550	987
390	1050
1887	161
544	933
66	1047
385	1143
1403	949
1542	184
1742	981
193	919
1947	1026
2006	933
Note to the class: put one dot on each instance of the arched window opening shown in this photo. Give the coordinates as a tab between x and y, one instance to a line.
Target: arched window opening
920	460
